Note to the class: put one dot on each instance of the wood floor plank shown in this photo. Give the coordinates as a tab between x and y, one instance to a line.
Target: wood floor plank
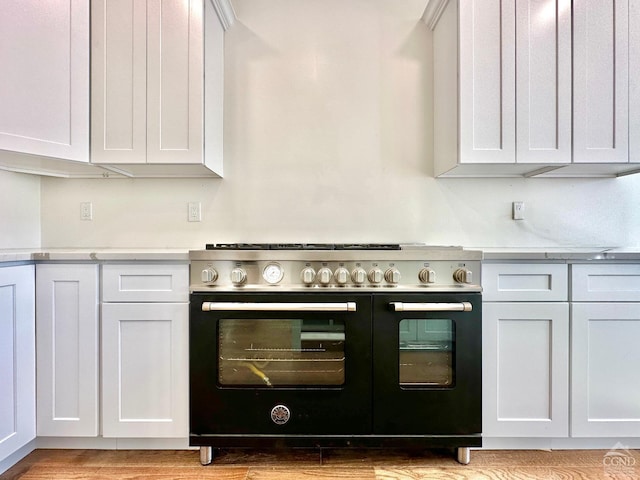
335	473
340	464
134	473
505	473
273	457
499	458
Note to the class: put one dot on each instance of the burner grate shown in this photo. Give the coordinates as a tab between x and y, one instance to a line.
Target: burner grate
303	246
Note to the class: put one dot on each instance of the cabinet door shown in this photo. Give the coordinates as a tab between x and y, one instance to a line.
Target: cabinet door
487	81
601	81
67	346
118	81
145	370
543	75
605	379
175	76
44	85
634	84
147	81
525	369
17	358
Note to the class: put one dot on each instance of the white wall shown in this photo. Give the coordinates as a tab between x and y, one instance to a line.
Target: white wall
328	121
19	210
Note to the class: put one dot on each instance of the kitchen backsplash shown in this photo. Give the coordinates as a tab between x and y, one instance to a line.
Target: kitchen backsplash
328	137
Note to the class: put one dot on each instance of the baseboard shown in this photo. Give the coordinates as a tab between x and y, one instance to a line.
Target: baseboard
16	456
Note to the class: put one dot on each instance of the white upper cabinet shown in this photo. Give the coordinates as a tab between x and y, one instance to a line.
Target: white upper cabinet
487	82
44	88
634	82
517	93
151	83
543	81
601	81
505	68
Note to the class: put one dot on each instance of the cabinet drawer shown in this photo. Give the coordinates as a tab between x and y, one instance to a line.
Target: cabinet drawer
525	282
605	283
145	283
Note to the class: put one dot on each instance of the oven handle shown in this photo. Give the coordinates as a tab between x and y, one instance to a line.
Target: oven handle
431	307
278	307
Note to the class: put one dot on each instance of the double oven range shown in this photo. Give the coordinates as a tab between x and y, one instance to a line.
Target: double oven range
324	345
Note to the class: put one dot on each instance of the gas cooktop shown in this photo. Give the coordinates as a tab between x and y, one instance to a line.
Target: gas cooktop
302	246
291	266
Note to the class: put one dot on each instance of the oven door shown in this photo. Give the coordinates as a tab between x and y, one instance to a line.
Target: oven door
274	363
427	364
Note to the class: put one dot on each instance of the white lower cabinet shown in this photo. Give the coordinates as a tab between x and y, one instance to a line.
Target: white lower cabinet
67	347
567	367
145	363
17	359
145	369
525	342
526	369
605	353
605	374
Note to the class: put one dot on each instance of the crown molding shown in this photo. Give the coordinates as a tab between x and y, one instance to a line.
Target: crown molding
225	12
433	11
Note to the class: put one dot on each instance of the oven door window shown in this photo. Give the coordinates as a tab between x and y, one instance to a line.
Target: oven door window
281	352
427	353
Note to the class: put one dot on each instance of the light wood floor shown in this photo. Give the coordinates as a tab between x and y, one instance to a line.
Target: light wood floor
311	464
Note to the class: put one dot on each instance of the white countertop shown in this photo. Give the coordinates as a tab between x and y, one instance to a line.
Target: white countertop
98	254
560	253
568	254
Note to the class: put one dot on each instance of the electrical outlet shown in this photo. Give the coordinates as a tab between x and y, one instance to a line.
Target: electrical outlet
86	211
517	212
195	212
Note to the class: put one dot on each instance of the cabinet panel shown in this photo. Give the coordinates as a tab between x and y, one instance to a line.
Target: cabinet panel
67	345
118	99
44	88
175	81
543	62
145	369
525	369
594	283
525	282
634	85
145	283
17	358
601	81
487	81
605	395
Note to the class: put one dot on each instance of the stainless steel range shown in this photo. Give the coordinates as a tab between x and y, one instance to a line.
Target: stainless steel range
335	345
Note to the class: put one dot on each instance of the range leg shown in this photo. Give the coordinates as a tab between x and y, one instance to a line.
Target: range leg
464	455
206	455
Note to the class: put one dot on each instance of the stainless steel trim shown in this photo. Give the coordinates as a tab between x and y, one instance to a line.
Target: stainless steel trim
431	307
278	307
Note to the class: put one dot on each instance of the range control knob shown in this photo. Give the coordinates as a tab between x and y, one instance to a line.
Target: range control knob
238	276
462	275
375	275
324	276
392	275
308	275
341	275
427	275
358	275
209	275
